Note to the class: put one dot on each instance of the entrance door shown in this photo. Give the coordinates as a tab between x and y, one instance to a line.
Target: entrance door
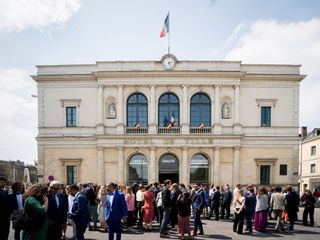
168	168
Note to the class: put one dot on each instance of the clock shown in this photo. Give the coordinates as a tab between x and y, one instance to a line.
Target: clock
169	62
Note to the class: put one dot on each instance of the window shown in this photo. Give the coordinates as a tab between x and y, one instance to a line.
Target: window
265	116
313	150
168	109
264	174
199	169
71	175
138	169
137	110
71	116
312	168
200	110
283	169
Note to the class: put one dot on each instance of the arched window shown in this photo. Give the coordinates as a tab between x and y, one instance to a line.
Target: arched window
199	169
137	110
168	110
138	169
200	110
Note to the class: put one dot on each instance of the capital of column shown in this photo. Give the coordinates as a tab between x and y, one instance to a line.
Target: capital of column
236	86
236	148
152	85
120	86
101	86
185	85
120	148
152	148
100	149
217	86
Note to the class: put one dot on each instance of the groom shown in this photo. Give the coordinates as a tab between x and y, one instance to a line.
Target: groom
115	211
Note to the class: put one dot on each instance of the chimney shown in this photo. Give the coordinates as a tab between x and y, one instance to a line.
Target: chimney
304	132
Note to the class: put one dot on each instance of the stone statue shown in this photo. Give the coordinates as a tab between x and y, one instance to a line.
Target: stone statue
112	113
26	179
226	113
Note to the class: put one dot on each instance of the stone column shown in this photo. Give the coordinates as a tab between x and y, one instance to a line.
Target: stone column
152	119
101	167
236	166
212	168
217	166
120	125
100	125
217	110
121	166
185	124
237	125
152	165
185	169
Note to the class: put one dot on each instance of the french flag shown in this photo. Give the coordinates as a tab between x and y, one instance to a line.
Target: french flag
172	119
165	27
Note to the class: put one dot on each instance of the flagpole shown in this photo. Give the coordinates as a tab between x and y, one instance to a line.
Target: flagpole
169	34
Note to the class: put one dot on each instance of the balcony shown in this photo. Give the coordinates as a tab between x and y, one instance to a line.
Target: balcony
133	130
196	130
174	130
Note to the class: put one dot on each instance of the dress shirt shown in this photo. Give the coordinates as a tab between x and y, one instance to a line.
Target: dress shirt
19	201
70	203
111	200
57	200
140	196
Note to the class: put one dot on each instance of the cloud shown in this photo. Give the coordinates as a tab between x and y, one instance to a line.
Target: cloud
18	115
18	15
290	43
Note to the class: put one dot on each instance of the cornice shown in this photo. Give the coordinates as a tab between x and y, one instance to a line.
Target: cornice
167	74
64	77
274	77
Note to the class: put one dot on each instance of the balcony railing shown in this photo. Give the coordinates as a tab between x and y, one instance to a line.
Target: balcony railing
196	130
141	130
168	130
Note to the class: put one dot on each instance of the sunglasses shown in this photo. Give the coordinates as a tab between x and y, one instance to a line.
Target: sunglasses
57	189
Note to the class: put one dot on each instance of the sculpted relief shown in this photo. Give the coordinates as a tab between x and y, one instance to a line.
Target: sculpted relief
111	110
226	108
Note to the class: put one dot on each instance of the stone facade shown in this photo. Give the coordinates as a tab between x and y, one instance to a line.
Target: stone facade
236	145
310	161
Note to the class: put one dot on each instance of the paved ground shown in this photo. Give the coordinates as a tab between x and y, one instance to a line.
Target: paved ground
222	230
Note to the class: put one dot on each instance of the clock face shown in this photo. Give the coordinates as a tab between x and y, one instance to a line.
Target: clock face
169	63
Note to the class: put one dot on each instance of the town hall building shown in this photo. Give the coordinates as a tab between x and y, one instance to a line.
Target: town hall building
214	122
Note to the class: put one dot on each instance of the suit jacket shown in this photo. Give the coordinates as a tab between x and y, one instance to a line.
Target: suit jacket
13	201
277	201
57	214
198	200
292	202
251	201
80	209
119	207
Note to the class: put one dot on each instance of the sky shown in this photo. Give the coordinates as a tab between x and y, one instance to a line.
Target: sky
40	32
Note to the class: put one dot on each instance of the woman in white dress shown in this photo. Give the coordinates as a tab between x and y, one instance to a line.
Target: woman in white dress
102	196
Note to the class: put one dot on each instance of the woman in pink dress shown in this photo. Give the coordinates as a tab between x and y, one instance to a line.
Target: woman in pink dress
130	205
148	208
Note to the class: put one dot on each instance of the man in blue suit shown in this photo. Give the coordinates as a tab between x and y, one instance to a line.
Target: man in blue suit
198	203
115	211
80	212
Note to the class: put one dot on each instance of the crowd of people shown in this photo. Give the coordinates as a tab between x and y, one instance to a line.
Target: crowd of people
44	211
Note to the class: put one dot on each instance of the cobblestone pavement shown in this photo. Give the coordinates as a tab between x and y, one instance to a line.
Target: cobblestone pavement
220	230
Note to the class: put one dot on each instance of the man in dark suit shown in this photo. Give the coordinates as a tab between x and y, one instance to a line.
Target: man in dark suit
80	212
17	203
198	203
57	211
115	211
292	206
215	203
166	205
91	198
250	208
227	198
5	209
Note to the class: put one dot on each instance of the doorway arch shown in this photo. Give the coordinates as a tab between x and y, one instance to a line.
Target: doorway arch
168	168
